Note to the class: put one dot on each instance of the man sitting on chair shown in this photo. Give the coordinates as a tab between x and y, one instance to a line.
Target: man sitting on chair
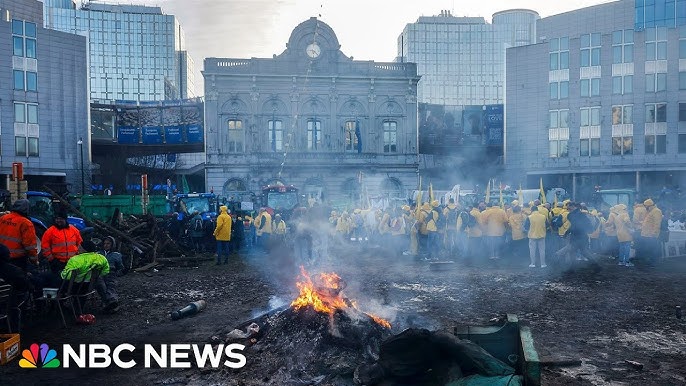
82	264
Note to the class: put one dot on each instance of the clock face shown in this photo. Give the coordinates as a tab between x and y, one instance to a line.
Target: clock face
313	50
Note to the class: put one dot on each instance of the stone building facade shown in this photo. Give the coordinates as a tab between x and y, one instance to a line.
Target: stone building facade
337	128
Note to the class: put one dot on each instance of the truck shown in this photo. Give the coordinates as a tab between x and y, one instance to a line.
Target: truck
42	209
604	199
283	199
205	204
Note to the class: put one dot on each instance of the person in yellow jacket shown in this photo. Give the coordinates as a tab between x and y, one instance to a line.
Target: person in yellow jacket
650	232
536	231
639	215
433	235
516	224
344	225
624	228
222	233
610	233
542	210
562	240
279	226
263	229
451	213
474	233
595	235
494	220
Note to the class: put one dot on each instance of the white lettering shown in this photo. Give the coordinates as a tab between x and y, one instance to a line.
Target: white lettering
161	358
232	355
207	352
99	351
178	353
117	360
69	353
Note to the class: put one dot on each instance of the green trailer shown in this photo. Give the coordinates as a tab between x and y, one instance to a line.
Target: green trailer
103	207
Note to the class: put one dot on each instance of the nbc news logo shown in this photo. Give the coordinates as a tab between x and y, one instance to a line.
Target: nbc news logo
39	356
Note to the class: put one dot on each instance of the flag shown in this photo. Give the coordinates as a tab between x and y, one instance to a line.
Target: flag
520	195
358	134
488	192
419	197
184	182
502	204
542	192
431	193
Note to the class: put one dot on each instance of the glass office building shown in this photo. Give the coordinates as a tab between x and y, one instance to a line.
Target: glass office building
660	13
137	53
462	59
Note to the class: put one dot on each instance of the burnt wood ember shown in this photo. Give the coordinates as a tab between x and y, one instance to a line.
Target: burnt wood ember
306	347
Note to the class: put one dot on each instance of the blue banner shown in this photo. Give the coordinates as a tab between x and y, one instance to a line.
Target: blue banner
494	120
172	134
194	134
152	135
128	135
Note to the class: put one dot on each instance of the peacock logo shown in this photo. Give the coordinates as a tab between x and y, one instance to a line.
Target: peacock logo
39	356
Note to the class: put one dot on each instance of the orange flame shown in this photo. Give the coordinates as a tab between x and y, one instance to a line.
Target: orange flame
324	295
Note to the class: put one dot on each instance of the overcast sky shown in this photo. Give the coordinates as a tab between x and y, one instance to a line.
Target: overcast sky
366	29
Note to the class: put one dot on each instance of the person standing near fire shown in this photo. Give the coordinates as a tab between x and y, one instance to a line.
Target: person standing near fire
222	233
263	229
60	242
18	234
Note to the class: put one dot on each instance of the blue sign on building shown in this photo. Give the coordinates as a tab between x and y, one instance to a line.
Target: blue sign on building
128	135
494	119
152	135
173	135
194	134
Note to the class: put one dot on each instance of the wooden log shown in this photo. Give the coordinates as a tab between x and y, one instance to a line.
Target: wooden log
146	267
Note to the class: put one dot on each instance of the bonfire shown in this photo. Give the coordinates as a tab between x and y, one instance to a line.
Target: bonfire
324	294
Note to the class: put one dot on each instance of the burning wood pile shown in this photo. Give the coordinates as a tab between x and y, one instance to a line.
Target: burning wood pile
319	339
323	338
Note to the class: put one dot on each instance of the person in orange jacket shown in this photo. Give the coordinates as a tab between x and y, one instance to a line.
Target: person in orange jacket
60	243
18	234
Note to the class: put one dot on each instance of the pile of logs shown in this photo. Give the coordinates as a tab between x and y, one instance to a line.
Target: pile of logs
143	240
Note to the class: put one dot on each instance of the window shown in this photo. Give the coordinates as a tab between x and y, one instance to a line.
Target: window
390	136
32	113
589	144
559	53
236	136
682	48
23	39
682	112
622	84
20	112
656	82
656	43
33	147
19	80
622	115
559	90
656	112
352	137
590	50
682	81
20	146
31	81
558	133
622	140
275	135
656	138
682	143
314	134
656	144
589	87
623	46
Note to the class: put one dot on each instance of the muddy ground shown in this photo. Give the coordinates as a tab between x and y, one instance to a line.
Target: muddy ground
599	316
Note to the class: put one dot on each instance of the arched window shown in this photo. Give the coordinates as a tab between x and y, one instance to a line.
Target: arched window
391	188
234	186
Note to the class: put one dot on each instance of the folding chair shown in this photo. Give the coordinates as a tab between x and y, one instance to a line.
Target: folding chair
64	293
90	290
5	292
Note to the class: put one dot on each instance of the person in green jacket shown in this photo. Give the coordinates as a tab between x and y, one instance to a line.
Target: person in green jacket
82	264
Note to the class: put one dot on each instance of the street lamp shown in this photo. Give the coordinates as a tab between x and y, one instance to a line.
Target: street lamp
83	177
